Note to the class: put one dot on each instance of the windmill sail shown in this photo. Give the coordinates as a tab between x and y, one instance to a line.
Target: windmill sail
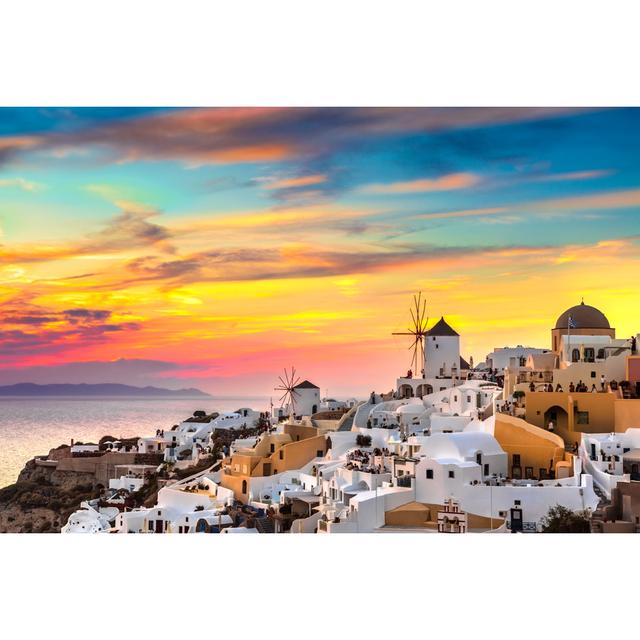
287	386
418	330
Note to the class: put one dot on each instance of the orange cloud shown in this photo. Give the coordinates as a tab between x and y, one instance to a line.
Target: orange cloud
252	153
449	182
606	200
302	181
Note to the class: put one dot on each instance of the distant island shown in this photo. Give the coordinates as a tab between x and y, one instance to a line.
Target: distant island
92	390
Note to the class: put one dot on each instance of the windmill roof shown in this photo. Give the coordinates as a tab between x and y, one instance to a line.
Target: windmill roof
441	328
306	385
464	364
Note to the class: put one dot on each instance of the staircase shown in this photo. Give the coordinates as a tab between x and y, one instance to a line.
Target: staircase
598	515
347	424
265	525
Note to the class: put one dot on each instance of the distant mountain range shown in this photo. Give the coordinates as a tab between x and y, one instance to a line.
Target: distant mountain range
103	390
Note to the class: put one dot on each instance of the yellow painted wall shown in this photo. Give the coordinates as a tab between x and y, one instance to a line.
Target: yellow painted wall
290	453
600	407
626	414
293	455
418	514
537	447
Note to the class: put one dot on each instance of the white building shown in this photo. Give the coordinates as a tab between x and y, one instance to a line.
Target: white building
604	455
502	357
87	519
441	351
443	365
306	398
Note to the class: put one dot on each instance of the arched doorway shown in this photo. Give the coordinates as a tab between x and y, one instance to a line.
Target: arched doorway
244	487
405	391
423	390
560	420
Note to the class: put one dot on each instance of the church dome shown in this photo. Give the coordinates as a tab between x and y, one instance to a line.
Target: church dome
584	317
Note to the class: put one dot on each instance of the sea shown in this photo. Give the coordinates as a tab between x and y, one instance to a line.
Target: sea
33	426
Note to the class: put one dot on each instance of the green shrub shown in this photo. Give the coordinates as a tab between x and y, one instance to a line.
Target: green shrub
559	519
363	440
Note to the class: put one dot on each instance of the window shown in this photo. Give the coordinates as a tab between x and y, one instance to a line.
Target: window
319	453
479	458
272	447
281	454
575	355
468	398
429	474
437	346
452	474
486	469
516	502
516	459
583	417
502	514
601	355
593	374
589	354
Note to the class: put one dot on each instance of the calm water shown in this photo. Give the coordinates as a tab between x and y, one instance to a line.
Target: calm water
33	426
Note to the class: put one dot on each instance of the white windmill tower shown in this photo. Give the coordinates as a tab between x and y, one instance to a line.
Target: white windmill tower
289	393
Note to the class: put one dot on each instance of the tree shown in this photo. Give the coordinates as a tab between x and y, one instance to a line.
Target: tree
559	519
518	395
363	440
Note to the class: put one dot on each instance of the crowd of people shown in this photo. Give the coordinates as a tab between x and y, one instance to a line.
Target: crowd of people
362	461
581	387
507	407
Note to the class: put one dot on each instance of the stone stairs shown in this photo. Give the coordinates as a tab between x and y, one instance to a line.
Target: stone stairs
265	525
598	515
347	424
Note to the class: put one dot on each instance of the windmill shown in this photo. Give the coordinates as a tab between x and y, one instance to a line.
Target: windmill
287	387
418	330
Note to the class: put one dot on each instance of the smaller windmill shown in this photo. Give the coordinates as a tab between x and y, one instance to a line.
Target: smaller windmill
418	330
287	387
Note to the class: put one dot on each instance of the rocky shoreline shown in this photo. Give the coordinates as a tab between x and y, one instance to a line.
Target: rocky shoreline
42	498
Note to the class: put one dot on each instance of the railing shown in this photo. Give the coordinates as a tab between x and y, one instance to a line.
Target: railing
404	481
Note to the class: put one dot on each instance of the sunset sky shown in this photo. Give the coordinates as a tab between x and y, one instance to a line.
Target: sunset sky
213	247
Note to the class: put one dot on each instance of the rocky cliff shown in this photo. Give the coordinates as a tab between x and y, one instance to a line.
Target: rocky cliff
43	498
